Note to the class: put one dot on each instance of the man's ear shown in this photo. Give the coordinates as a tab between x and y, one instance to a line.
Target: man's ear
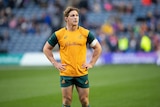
65	18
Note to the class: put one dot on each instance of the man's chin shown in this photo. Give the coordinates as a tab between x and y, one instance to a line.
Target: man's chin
75	24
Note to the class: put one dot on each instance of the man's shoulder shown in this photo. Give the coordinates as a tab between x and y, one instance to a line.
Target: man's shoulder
83	30
60	31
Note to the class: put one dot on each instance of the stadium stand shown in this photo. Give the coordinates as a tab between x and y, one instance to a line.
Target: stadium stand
26	24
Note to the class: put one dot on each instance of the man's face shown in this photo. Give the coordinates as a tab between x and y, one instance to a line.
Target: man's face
73	18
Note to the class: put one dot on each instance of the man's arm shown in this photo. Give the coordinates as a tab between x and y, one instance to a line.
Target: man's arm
47	50
96	54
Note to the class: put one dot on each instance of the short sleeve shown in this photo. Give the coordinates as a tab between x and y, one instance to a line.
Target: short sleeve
90	38
53	40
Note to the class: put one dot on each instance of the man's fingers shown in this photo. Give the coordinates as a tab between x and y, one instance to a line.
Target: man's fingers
64	64
84	66
62	67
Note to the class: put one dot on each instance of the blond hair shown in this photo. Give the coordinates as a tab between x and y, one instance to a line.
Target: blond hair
68	10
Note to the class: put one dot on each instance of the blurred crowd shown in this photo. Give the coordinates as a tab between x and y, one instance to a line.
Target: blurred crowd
142	36
114	35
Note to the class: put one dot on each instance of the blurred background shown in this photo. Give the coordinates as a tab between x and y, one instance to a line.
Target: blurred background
128	30
123	27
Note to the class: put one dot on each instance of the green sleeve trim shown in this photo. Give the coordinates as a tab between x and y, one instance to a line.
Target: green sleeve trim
90	38
53	40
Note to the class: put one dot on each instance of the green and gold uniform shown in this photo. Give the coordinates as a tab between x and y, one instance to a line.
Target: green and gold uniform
73	49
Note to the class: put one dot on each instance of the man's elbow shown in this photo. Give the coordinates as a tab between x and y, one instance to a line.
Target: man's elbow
44	49
98	48
47	48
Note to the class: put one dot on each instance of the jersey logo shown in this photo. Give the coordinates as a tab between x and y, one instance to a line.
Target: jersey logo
63	81
86	82
80	37
65	37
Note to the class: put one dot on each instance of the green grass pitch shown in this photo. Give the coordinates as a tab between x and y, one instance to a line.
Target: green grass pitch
110	86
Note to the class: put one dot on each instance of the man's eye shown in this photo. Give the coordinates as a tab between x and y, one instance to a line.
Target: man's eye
74	15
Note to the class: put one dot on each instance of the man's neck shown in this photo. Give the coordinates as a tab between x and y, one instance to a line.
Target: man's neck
71	28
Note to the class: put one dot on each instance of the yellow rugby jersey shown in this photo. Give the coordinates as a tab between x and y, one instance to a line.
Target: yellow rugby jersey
73	49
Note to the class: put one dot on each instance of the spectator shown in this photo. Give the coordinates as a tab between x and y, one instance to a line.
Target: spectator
132	43
102	39
108	6
97	6
155	40
1	38
145	43
4	41
83	4
158	55
123	44
107	29
158	27
146	2
129	8
13	22
47	19
83	17
112	42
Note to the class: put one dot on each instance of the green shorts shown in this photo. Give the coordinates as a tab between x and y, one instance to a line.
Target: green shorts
81	81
